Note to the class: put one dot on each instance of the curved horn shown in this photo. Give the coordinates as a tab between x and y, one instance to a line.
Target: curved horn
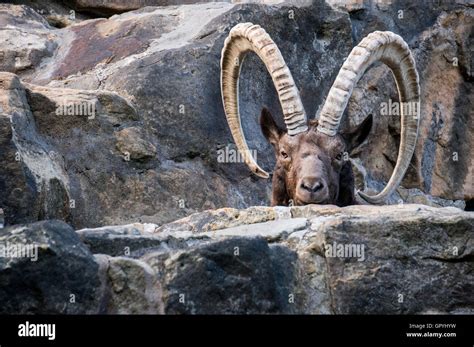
245	37
392	50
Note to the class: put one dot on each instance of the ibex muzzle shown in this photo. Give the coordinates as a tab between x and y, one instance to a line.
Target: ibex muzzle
312	167
309	168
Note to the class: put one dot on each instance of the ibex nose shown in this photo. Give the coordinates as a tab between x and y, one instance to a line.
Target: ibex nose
311	184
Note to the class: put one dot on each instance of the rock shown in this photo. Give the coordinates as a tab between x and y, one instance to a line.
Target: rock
77	109
238	276
35	182
271	231
220	219
19	197
442	165
102	7
187	177
119	240
401	195
407	256
56	13
402	256
133	287
2	218
132	144
56	274
316	260
446	143
26	38
42	165
152	75
416	196
78	102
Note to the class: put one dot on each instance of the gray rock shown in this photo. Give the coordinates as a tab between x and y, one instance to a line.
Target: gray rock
439	37
406	256
26	38
132	286
407	253
63	278
187	128
408	259
271	231
405	259
157	96
237	276
136	240
152	79
36	174
19	197
117	241
107	8
132	143
219	219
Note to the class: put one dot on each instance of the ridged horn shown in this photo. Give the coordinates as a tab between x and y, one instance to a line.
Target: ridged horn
245	37
394	52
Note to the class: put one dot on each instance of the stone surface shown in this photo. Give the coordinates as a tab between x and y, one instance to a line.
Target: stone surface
271	231
220	219
315	260
103	7
237	276
63	278
118	241
144	149
133	287
19	198
414	260
406	259
132	144
54	182
152	75
26	38
442	165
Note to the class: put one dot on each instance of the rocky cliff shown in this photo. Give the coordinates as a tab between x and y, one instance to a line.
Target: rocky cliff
111	134
407	259
150	150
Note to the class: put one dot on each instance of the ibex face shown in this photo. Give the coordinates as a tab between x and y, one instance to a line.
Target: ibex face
309	167
312	167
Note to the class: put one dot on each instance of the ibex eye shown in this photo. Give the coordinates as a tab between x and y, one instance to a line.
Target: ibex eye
284	154
339	156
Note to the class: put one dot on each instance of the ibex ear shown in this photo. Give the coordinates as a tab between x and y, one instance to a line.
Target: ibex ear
270	129
355	138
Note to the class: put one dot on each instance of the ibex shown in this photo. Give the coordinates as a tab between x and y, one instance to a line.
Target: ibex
309	155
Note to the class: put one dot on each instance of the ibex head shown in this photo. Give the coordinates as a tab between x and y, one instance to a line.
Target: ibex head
310	166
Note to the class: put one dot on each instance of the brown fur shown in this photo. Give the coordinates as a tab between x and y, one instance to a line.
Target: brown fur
311	166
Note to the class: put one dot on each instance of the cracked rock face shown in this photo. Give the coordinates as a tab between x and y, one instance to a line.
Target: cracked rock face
115	126
119	120
410	259
44	268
